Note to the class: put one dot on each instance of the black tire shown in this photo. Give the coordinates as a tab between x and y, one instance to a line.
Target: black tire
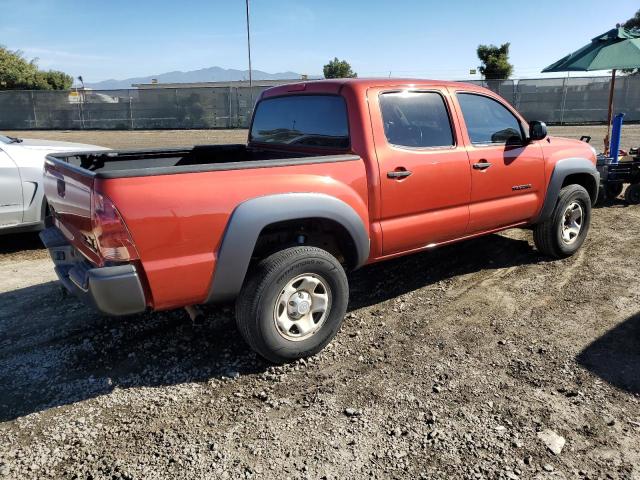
548	235
256	304
613	190
632	194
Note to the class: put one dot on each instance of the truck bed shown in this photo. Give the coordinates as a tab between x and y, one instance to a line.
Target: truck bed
137	163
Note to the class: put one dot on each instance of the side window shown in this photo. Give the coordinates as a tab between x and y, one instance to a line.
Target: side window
416	119
488	121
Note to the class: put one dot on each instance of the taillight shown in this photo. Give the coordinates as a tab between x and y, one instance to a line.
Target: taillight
113	240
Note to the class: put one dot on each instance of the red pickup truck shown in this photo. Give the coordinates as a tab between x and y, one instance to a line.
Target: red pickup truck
336	174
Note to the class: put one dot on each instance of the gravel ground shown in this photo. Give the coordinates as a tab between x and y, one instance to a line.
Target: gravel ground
476	360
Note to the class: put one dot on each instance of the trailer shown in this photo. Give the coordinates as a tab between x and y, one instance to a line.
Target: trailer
616	171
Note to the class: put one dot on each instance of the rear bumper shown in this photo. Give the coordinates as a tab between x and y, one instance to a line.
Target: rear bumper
113	290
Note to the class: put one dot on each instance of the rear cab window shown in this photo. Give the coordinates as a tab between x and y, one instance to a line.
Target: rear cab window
416	119
488	121
302	120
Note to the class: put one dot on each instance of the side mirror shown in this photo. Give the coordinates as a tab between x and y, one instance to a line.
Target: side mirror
537	130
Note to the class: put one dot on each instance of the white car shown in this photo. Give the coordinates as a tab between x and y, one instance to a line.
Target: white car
22	203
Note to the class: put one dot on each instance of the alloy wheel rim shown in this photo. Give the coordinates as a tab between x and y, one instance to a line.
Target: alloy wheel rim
302	307
572	221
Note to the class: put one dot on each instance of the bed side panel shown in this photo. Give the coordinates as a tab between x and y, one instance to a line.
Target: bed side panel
177	221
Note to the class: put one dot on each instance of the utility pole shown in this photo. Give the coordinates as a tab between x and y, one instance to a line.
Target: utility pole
80	101
249	52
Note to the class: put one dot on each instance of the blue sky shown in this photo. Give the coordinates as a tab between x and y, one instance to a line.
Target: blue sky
436	39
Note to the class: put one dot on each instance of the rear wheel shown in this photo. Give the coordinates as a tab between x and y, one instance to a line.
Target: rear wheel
293	303
564	233
632	194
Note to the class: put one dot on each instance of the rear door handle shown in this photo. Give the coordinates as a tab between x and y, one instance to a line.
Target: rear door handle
399	174
481	165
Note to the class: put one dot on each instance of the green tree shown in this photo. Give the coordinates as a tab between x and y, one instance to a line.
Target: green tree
338	69
58	80
16	72
633	22
495	61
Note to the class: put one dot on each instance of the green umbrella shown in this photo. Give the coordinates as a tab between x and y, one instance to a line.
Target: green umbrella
617	49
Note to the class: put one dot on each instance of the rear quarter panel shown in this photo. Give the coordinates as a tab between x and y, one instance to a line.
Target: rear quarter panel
178	221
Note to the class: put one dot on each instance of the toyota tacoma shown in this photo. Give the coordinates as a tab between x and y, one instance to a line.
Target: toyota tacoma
336	174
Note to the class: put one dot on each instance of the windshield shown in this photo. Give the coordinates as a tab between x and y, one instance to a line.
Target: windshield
309	120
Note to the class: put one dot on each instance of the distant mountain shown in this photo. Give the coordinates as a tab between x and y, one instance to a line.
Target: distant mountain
211	74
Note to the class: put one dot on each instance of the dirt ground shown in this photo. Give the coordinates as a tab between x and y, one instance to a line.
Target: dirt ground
455	363
139	138
178	138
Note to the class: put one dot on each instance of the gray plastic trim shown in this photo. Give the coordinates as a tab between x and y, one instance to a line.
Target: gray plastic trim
117	290
252	216
562	169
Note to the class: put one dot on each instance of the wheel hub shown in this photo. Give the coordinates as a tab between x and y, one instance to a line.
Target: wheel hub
299	304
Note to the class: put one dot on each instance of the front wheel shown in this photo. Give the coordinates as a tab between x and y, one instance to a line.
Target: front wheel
293	303
564	233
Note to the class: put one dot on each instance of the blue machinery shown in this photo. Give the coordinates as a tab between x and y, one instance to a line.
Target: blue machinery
615	174
616	134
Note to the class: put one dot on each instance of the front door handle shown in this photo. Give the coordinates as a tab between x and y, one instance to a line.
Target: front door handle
481	165
399	174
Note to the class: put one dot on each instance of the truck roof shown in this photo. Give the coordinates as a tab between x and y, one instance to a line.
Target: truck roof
335	85
377	81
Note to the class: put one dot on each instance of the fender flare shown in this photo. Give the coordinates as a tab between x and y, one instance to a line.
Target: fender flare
562	169
252	216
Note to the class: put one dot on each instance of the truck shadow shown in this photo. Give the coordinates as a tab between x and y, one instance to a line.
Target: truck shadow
382	281
613	203
19	242
615	356
55	351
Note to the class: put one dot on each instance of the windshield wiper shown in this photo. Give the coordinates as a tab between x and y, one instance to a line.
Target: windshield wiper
14	140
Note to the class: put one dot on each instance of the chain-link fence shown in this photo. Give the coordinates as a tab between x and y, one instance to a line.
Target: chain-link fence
552	100
153	108
570	100
507	89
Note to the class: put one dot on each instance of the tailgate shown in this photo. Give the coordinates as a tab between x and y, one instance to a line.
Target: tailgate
68	190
